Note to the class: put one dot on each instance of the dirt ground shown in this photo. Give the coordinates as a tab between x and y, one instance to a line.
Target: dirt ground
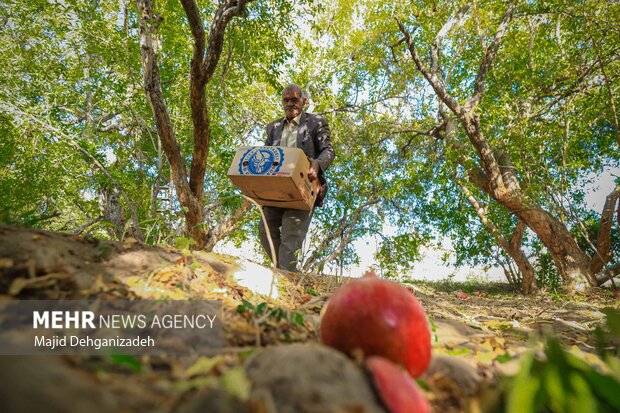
479	332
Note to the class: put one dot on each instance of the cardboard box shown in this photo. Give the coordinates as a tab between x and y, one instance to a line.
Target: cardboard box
274	176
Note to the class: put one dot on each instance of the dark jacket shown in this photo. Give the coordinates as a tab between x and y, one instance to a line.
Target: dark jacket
312	138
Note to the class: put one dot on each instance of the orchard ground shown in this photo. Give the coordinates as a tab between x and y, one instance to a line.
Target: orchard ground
479	330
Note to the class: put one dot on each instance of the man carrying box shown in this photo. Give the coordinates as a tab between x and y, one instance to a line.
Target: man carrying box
309	132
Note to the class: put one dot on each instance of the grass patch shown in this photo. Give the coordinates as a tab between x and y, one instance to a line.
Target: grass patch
469	287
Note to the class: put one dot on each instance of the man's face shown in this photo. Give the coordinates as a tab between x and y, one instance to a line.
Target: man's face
292	102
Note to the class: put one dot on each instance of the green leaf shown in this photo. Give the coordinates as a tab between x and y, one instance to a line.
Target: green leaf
581	398
245	306
298	319
504	358
524	388
237	383
607	388
260	308
459	351
555	388
128	361
613	320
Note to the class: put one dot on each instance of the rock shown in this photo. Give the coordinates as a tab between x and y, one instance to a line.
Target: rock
309	378
213	401
455	374
49	384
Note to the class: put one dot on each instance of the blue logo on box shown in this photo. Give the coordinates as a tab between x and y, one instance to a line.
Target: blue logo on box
265	160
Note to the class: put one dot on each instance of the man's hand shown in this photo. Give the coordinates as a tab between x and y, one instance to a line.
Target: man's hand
313	172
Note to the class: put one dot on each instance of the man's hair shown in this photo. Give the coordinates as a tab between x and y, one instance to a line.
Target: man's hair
303	92
305	95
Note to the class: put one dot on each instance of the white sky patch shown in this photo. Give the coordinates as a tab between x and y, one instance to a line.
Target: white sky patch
248	249
600	188
431	267
110	156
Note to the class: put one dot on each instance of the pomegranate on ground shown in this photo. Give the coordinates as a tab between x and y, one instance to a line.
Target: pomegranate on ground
398	391
378	317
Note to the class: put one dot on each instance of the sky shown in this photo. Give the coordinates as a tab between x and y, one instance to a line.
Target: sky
431	267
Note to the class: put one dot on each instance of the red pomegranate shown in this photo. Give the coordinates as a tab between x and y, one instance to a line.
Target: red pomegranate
378	317
398	391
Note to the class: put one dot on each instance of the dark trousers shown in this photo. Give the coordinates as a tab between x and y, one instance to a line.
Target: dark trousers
288	228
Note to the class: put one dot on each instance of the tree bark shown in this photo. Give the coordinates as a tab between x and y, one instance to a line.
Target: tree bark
603	238
572	263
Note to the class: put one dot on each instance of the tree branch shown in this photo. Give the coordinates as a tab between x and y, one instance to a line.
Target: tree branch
603	239
226	11
152	83
579	85
343	231
517	235
202	69
90	222
227	225
73	143
511	247
489	57
474	173
198	33
432	78
452	21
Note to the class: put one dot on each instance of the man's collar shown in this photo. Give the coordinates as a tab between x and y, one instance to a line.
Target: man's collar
295	120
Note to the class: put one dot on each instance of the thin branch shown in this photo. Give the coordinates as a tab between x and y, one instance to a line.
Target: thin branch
226	11
511	247
579	85
47	217
226	225
612	102
89	223
352	107
432	78
489	57
344	231
73	143
452	21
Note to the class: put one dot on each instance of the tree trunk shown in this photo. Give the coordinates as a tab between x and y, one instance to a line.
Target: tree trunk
528	275
572	263
511	247
189	187
152	82
603	239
